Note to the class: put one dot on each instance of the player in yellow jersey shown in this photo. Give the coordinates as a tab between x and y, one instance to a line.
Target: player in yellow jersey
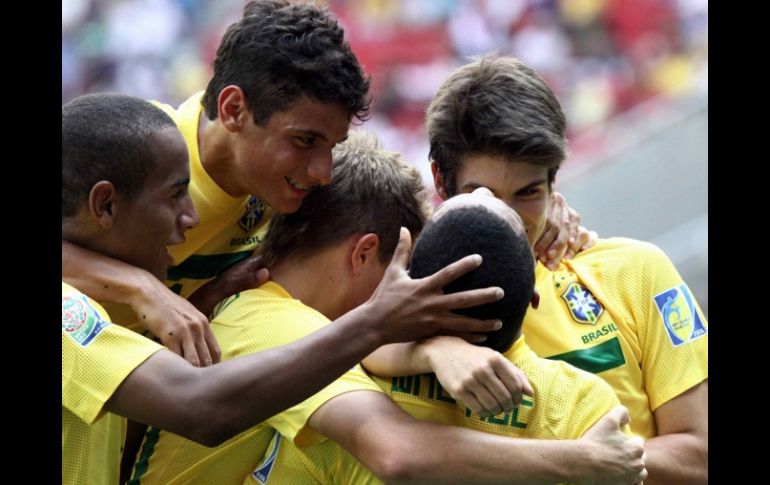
324	259
619	309
124	194
284	90
566	401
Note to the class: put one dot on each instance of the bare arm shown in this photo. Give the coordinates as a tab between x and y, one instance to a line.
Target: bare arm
174	320
211	404
400	449
481	378
679	454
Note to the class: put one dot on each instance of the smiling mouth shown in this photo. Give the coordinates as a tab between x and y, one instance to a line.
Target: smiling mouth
296	184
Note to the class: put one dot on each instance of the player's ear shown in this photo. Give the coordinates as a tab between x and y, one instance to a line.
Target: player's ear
365	251
232	108
102	203
438	181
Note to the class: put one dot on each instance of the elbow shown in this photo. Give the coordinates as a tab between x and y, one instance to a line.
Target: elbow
213	432
398	466
205	425
204	431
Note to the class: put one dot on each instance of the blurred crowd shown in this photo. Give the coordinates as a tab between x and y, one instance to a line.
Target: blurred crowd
602	57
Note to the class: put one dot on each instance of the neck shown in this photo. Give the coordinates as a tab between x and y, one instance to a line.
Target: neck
216	155
315	281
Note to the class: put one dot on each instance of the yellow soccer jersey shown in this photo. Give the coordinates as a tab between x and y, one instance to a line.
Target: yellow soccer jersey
620	310
96	356
230	228
248	322
567	402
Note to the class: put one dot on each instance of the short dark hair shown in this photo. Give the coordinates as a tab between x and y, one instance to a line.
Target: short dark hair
280	51
507	263
495	105
106	137
372	191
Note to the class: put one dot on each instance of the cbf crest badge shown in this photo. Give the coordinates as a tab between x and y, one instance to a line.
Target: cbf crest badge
80	320
581	303
680	318
253	213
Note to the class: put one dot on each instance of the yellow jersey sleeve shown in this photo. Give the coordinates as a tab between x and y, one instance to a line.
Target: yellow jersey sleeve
671	327
96	355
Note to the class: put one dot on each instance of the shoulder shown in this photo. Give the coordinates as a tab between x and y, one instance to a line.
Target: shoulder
622	256
621	248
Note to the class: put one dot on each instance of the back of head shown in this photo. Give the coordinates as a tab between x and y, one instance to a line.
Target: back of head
495	105
106	137
507	263
372	191
280	51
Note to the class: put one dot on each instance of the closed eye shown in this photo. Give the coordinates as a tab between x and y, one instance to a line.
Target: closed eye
181	192
305	141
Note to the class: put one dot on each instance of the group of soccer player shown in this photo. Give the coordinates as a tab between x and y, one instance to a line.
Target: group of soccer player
250	226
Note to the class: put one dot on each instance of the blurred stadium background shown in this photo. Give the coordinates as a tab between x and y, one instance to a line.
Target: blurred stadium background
632	76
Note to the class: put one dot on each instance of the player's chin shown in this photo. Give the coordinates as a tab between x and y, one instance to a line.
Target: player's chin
287	204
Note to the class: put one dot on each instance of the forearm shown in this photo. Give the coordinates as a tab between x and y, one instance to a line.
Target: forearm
210	405
394	360
103	278
400	449
680	458
410	358
467	456
444	454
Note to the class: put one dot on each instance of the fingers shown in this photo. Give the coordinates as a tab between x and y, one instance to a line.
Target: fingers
403	249
473	338
190	352
535	301
584	239
612	421
174	347
621	414
542	244
204	356
574	233
559	245
479	399
502	398
514	379
212	344
455	325
449	273
261	277
468	298
552	220
593	238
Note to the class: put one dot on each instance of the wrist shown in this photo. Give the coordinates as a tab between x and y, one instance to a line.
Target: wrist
141	288
365	327
425	354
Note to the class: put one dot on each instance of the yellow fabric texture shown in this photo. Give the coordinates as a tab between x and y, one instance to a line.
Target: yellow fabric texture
567	401
230	228
249	322
96	357
603	311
